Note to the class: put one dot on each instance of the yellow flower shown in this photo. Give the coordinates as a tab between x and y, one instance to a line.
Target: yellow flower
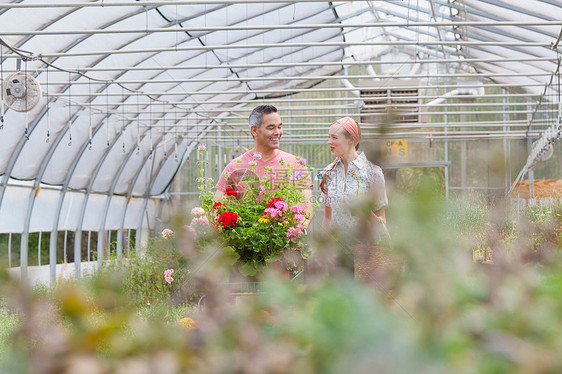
263	220
188	323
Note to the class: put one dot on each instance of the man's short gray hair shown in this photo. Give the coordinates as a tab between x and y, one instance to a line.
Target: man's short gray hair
256	116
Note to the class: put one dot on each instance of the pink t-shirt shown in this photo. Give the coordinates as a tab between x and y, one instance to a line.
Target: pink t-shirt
246	167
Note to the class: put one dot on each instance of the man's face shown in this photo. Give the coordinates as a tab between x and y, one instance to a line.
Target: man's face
269	133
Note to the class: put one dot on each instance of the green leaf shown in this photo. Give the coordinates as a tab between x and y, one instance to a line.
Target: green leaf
248	269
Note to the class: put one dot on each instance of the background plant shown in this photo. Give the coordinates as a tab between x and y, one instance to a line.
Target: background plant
443	314
143	272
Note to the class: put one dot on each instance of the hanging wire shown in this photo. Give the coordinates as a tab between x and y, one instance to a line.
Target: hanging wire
175	133
26	96
123	117
90	113
559	100
48	113
150	129
138	125
107	112
69	111
2	87
164	134
30	56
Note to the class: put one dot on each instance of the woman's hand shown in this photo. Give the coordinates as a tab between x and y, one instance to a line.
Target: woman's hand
380	217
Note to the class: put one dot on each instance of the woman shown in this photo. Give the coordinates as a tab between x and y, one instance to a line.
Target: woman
349	178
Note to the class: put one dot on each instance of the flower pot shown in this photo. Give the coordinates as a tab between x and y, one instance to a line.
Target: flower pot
280	270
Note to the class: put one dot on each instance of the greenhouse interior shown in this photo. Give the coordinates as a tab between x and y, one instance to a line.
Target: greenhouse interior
123	92
117	116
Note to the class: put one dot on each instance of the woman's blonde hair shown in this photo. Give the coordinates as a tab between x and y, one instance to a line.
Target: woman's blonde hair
324	181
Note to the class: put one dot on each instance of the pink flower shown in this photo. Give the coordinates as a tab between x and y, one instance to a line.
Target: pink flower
298	208
201	147
273	212
200	221
189	228
167	233
197	211
297	174
300	217
281	205
169	275
293	233
302	161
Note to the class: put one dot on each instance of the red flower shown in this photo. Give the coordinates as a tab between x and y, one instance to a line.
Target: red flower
272	202
228	219
217	204
231	192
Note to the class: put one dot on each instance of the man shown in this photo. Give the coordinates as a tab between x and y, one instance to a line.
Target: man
266	128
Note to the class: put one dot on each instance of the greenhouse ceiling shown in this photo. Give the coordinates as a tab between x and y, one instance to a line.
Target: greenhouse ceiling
120	92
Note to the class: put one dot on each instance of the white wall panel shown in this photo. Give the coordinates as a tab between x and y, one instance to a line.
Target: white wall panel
12	211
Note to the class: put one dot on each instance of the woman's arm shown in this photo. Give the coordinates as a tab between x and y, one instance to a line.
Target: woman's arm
309	207
380	225
327	218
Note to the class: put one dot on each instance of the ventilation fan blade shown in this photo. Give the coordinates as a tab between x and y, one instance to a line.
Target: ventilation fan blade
22	93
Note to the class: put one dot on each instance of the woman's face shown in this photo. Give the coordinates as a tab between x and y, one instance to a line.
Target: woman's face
339	143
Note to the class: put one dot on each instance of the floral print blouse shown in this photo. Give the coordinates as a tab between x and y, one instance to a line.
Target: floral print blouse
362	176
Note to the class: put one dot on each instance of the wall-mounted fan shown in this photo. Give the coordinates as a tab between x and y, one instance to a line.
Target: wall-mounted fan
22	92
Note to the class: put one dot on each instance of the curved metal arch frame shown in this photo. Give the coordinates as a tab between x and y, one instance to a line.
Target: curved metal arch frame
114	185
129	196
118	173
481	14
244	55
52	149
188	151
19	147
113	22
152	179
87	196
117	106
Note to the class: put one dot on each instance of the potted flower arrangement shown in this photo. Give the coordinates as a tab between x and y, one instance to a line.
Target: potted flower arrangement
264	222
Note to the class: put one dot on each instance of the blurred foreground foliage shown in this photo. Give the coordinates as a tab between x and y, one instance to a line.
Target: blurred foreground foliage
441	312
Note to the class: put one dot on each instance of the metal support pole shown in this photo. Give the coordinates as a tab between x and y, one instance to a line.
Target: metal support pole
101	235
9	249
446	147
89	241
64	246
39	250
23	254
53	255
112	190
505	145
530	173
